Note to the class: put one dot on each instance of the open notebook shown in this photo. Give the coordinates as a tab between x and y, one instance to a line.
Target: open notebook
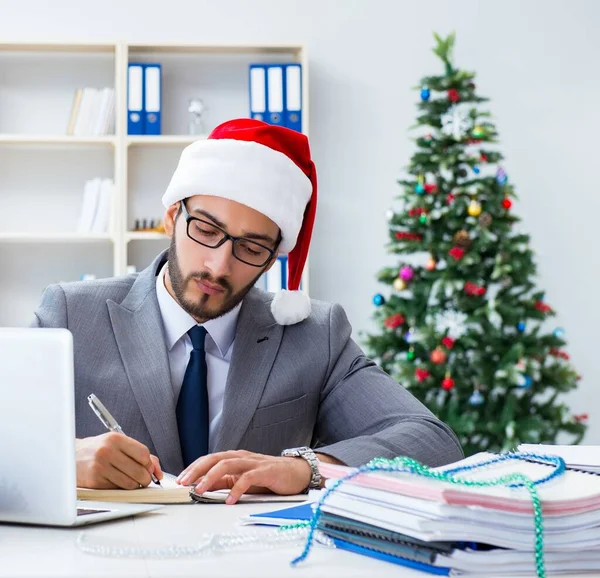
170	492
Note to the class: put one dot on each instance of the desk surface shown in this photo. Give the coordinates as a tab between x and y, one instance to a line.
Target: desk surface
28	551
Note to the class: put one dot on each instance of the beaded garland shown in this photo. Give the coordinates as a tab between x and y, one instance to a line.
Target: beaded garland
409	465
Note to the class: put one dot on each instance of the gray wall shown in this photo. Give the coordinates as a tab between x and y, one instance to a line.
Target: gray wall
535	59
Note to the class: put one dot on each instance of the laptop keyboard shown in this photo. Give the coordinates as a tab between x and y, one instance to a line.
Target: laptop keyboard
86	511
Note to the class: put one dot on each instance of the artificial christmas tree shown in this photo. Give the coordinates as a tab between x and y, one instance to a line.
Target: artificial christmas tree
463	326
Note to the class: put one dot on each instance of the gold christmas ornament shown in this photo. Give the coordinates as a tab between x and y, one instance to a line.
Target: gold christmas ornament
431	264
399	284
474	208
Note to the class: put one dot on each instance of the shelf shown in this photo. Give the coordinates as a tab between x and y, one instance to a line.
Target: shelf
54	237
144	236
32	139
57	47
164	140
139	48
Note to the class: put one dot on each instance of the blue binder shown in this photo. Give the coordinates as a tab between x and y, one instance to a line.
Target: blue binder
284	271
135	99
293	96
275	94
152	98
257	83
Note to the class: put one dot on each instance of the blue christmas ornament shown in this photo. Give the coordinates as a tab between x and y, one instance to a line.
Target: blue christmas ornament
528	382
521	326
419	189
476	398
476	169
409	336
501	177
559	332
378	300
425	93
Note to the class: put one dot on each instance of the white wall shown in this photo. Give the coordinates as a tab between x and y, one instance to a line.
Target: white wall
536	59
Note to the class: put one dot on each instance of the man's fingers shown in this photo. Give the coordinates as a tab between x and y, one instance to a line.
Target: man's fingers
244	483
197	469
134	449
119	479
231	467
131	468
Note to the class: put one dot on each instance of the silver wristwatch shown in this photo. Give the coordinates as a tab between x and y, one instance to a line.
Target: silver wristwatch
313	462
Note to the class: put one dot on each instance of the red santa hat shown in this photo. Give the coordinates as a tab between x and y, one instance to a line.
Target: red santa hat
265	167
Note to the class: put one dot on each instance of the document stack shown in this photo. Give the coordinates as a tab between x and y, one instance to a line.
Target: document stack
489	527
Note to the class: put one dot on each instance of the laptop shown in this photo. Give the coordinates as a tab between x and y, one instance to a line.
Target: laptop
38	481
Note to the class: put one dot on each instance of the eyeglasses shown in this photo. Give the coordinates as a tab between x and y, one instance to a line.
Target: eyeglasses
244	250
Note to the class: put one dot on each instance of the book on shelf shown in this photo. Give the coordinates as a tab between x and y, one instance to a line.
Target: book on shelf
95	215
92	112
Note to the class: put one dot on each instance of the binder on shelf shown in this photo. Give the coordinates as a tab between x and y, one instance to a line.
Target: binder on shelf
275	90
258	91
135	99
276	276
152	98
293	96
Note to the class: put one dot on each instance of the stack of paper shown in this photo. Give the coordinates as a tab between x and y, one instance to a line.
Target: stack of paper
580	457
442	527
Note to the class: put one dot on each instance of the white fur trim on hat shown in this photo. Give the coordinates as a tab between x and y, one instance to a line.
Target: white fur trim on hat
246	172
290	307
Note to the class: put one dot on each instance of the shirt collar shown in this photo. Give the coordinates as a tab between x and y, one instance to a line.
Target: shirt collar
178	322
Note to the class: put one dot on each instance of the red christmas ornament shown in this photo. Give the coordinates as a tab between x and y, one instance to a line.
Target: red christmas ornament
453	95
447	383
438	356
421	374
542	307
555	352
430	188
416	212
404	236
457	253
581	417
394	321
448	342
473	289
450	198
483	158
507	203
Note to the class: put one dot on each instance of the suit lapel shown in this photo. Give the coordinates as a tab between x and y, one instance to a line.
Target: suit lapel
138	329
256	344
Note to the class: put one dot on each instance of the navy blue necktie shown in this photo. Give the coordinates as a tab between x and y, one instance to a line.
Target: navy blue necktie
192	405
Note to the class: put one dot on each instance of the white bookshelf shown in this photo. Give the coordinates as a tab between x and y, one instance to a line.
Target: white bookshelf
43	170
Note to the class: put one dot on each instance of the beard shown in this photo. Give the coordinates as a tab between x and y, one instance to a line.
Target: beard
199	308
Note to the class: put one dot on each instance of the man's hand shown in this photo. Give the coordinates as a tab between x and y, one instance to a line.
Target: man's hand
113	460
246	472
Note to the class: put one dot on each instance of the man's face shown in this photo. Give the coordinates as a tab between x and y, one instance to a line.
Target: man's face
209	282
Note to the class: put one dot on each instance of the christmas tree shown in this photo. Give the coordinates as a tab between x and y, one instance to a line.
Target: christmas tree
463	326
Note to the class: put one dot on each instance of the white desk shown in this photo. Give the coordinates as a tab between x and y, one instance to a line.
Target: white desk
32	552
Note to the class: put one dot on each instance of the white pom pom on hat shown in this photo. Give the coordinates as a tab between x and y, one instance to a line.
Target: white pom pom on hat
265	167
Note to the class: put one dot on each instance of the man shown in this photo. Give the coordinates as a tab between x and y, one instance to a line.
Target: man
213	379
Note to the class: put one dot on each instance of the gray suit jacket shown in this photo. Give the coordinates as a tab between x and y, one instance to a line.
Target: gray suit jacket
303	384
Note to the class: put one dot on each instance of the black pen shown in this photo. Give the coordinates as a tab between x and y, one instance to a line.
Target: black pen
110	423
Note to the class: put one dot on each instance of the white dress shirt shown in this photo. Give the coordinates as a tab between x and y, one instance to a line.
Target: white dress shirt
219	343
